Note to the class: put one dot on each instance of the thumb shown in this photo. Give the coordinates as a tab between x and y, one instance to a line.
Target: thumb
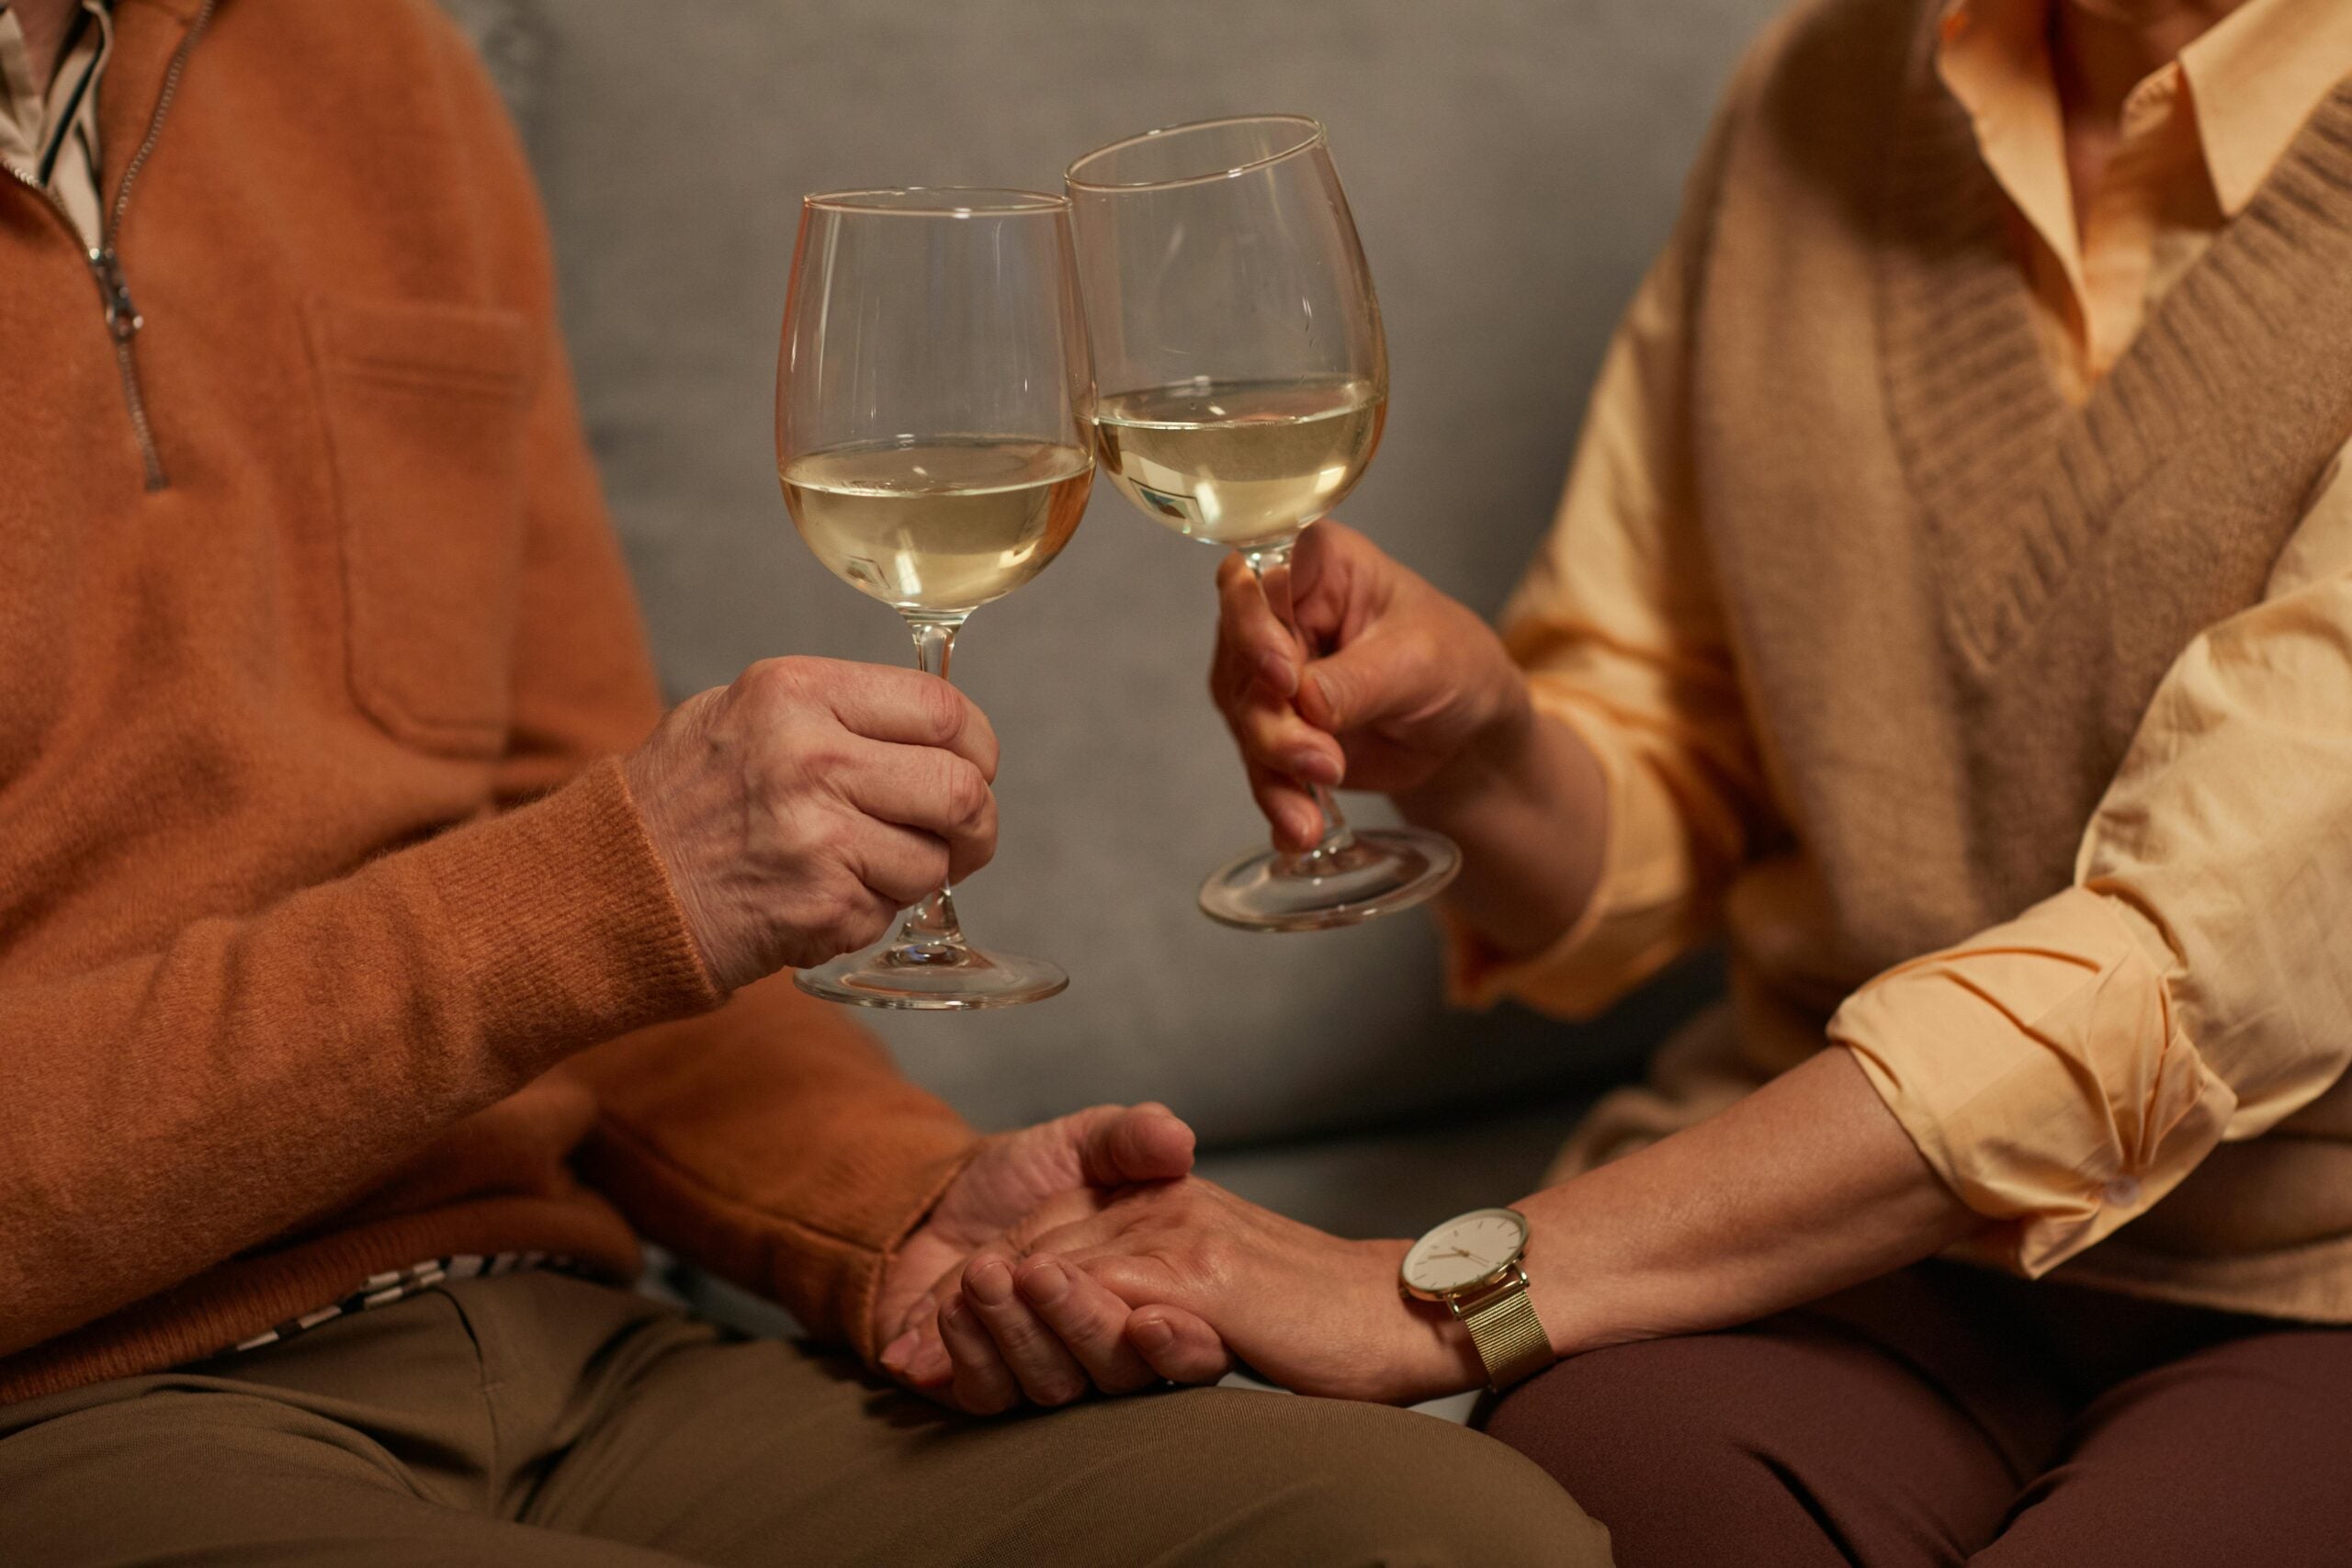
1370	679
1323	579
1119	1145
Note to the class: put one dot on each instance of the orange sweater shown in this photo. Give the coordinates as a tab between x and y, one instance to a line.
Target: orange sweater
318	888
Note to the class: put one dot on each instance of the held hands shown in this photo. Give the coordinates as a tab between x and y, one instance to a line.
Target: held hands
1155	1268
1412	692
1017	1186
801	807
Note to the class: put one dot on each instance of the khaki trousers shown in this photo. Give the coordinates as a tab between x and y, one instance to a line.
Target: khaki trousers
537	1419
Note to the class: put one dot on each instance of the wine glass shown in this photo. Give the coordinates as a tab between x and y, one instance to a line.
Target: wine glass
1245	380
931	431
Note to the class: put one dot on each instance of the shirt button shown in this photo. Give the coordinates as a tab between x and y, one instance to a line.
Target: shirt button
2123	1192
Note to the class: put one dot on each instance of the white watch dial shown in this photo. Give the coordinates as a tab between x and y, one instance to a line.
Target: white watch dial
1464	1251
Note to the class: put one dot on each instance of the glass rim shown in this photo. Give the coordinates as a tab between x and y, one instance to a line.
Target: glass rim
1315	136
954	201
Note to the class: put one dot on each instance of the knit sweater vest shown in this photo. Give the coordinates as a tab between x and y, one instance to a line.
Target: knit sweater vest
1952	595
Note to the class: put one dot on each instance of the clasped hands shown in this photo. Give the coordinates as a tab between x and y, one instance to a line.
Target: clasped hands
1130	1272
1091	1258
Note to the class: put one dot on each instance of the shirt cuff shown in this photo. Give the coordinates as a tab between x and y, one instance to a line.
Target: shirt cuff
1639	918
2042	1071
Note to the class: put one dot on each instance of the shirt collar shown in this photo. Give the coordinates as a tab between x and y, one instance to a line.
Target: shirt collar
2253	78
1994	55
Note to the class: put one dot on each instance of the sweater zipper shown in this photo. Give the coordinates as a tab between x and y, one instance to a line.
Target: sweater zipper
123	319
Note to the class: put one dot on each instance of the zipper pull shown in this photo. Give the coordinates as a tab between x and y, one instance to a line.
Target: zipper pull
123	319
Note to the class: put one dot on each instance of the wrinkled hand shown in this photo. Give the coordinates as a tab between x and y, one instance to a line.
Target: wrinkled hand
1303	1308
1409	684
798	809
1018	1186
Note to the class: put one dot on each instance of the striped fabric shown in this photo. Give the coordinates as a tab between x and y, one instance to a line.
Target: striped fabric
383	1290
51	138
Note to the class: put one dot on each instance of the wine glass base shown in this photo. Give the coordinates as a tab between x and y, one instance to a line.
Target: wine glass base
1381	870
933	976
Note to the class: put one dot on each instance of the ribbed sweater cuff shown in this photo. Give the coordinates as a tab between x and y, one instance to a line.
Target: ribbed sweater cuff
927	1159
567	922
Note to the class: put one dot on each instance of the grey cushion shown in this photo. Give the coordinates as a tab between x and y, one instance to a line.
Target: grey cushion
1512	165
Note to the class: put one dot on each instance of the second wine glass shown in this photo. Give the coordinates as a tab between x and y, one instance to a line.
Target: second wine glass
1244	382
931	404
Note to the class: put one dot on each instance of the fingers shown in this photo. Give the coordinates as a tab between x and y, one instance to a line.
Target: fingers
1373	678
1248	632
1044	1366
1272	734
1177	1345
939	794
1253	679
1121	1144
1115	1349
981	1383
884	703
1089	1322
918	1357
1326	578
898	864
1288	806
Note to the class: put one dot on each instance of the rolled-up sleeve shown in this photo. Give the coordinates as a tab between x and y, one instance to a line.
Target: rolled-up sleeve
2066	1069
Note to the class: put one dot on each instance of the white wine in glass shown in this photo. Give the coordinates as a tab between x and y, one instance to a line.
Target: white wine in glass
1238	463
943	526
932	400
1245	381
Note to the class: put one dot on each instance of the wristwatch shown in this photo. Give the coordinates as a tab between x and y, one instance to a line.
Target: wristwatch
1472	1264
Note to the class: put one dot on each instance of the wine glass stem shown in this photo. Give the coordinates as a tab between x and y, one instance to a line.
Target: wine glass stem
930	925
1270	564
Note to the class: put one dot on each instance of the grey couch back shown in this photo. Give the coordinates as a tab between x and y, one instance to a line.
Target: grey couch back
1513	163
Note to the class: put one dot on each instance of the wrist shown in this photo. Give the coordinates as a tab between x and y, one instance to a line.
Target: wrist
1499	756
1431	1355
1576	1291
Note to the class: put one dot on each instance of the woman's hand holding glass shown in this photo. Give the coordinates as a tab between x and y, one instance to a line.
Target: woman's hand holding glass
1238	342
1416	696
1413	695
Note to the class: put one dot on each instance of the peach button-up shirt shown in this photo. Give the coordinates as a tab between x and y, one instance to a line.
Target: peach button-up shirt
2031	1055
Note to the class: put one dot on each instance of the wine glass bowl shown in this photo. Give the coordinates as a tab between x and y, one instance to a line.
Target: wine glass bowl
1244	388
933	403
938	527
1240	463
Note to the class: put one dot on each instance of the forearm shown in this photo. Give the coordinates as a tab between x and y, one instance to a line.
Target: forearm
167	1111
1528	807
1807	1186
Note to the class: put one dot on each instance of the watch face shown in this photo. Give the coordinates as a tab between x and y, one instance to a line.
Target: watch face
1465	1250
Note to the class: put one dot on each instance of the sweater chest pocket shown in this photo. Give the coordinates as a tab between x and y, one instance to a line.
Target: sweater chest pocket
424	408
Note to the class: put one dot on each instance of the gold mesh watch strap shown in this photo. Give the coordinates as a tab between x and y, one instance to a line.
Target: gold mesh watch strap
1509	1339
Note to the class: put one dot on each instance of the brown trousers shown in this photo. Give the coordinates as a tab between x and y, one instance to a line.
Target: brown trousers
535	1420
1946	1415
